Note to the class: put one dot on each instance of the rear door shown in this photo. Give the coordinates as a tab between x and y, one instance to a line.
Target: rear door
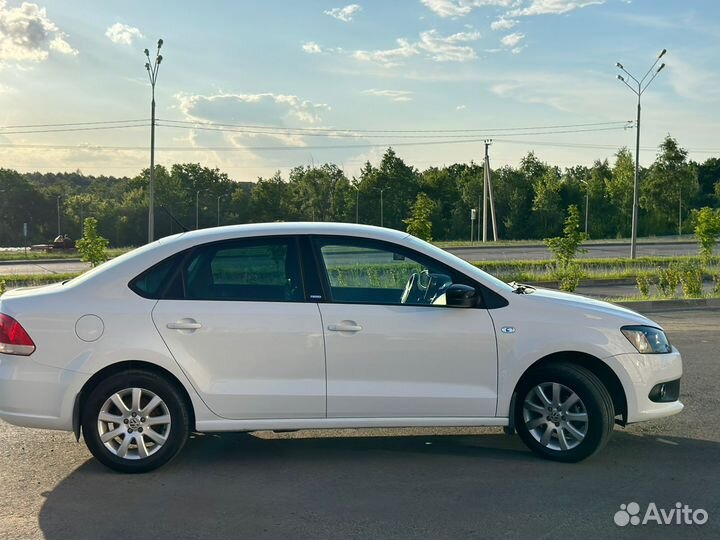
236	320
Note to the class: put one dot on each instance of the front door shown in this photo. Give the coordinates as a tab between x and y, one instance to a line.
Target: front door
239	326
393	349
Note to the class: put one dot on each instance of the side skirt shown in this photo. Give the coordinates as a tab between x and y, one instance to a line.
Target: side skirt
344	423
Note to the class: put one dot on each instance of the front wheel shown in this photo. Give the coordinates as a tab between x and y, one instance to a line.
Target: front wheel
135	421
563	412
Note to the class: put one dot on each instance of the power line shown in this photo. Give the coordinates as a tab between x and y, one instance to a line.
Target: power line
347	130
368	136
66	130
74	124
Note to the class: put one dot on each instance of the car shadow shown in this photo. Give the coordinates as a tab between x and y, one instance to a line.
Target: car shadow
452	486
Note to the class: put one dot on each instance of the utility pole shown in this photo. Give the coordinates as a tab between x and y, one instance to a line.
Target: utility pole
152	69
488	193
636	188
357	201
218	209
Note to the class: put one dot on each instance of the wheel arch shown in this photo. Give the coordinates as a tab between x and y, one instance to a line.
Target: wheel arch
594	364
119	367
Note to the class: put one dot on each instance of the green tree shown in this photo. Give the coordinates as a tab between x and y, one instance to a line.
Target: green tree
92	246
669	186
620	186
419	223
565	248
707	230
546	203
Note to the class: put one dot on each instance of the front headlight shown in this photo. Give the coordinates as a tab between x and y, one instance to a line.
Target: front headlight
647	340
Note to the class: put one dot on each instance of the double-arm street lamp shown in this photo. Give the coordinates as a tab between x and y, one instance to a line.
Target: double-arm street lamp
587	202
641	87
152	69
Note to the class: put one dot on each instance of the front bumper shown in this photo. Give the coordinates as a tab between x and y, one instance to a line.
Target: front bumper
36	395
639	373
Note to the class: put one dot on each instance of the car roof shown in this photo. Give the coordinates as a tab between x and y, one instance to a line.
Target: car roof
286	228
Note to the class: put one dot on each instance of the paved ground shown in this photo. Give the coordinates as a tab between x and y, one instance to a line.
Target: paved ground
361	484
470	254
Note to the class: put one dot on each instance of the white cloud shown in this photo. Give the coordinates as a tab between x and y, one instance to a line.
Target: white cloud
122	34
388	57
446	49
512	40
460	8
460	107
553	7
26	33
503	24
265	108
437	47
311	48
518	50
344	14
395	95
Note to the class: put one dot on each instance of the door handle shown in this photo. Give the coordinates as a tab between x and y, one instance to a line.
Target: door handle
184	324
345	326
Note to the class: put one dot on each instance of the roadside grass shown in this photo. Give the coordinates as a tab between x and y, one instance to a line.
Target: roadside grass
539	242
544	270
41	255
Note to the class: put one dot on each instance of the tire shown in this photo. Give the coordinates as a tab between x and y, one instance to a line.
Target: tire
148	403
556	425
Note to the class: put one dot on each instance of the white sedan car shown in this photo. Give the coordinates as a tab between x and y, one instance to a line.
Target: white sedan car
291	326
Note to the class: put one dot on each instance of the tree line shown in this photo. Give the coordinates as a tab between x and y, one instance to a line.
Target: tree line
531	200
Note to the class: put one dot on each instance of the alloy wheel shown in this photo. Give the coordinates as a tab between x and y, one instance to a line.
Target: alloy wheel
555	416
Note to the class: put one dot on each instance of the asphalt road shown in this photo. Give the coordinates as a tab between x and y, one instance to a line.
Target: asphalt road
472	254
594	251
464	483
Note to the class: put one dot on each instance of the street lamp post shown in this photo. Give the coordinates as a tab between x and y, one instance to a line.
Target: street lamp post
587	202
638	92
357	202
152	69
218	208
58	213
197	208
382	209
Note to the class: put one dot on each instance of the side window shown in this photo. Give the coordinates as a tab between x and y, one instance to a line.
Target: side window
262	270
153	282
368	272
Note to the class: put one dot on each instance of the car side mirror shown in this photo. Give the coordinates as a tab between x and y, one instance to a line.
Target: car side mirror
459	295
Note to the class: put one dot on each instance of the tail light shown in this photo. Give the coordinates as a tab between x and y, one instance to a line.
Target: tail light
13	338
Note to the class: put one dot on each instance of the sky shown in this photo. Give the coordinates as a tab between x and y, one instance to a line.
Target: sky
257	86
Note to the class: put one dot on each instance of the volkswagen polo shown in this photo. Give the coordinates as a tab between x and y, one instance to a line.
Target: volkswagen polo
290	326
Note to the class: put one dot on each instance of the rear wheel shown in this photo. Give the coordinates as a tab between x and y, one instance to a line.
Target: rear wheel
563	412
135	421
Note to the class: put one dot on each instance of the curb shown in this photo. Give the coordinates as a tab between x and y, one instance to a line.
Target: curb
645	306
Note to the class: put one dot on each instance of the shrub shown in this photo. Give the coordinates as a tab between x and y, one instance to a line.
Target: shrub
3	287
92	246
643	283
691	277
668	280
420	222
716	284
569	277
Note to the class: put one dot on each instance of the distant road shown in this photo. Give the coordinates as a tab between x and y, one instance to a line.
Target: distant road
594	251
505	253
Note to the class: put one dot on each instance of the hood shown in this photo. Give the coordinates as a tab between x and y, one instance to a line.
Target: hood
590	305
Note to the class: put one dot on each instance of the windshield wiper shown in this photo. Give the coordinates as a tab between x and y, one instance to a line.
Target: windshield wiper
522	288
